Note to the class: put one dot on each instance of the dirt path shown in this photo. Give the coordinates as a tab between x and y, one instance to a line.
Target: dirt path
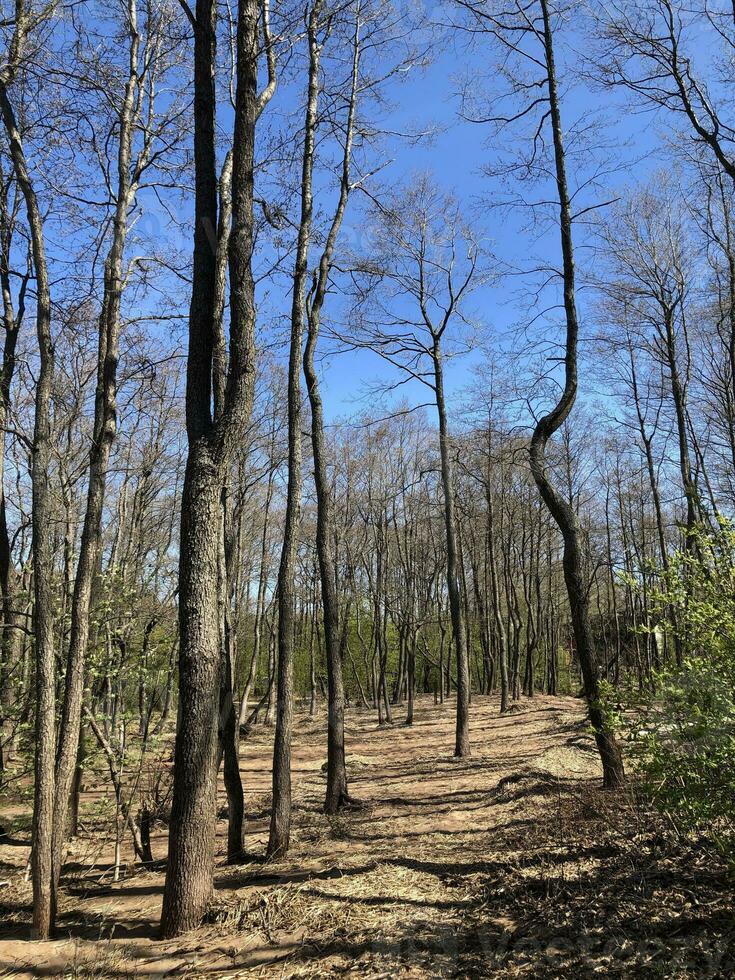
510	864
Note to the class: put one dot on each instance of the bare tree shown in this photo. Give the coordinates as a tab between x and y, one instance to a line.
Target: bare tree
414	295
527	35
11	202
211	445
562	512
28	19
280	826
336	794
137	130
644	48
651	287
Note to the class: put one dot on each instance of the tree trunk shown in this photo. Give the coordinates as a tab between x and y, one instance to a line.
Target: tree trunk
336	793
10	642
497	614
560	509
189	875
105	427
259	601
228	733
462	733
43	623
280	827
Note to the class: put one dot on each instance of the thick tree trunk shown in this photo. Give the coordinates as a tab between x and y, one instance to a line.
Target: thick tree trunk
189	875
191	830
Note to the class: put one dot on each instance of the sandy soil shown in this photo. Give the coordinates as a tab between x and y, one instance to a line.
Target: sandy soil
512	863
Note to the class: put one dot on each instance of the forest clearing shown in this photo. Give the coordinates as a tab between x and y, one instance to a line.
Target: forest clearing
367	488
512	863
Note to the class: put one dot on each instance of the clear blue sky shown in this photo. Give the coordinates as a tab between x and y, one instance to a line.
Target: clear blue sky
456	156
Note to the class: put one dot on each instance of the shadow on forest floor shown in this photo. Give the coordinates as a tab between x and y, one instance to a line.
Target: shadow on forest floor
512	863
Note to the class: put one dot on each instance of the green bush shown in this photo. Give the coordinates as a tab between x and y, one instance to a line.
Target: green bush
684	733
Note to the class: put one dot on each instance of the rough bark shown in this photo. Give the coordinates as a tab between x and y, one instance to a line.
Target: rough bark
189	874
188	885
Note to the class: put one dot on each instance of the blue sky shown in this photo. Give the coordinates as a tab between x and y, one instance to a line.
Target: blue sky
455	155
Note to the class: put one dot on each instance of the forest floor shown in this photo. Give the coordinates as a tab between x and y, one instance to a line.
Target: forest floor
513	863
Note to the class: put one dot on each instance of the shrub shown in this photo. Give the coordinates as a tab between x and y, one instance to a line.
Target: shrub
685	732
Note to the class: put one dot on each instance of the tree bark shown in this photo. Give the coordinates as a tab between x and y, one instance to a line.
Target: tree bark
560	509
336	794
104	431
43	620
462	733
189	875
280	827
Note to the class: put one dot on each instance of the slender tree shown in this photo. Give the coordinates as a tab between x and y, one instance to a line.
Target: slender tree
336	795
560	508
426	261
28	19
280	826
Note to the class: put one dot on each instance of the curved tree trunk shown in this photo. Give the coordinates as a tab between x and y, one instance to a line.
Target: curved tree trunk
561	510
